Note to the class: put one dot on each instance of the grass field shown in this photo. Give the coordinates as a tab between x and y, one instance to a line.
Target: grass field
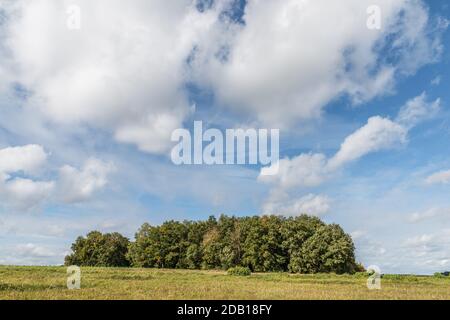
111	283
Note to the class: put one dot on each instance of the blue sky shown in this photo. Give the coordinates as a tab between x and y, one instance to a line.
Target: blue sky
86	116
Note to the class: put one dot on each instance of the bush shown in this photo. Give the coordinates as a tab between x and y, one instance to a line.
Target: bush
239	271
442	274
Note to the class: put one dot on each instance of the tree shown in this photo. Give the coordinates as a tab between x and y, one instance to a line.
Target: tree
261	243
329	249
100	250
295	232
211	249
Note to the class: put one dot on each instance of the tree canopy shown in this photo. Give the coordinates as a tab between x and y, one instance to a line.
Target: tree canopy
99	250
301	244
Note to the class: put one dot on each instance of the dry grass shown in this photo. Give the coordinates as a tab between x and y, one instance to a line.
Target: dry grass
122	283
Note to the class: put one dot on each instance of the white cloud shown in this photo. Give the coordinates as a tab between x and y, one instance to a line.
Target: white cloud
378	134
25	194
35	251
439	177
304	170
151	133
77	185
417	110
123	71
315	205
22	193
310	170
272	71
24	158
430	251
32	253
126	69
419	241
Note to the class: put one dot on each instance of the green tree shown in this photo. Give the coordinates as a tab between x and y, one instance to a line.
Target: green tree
97	249
330	249
261	243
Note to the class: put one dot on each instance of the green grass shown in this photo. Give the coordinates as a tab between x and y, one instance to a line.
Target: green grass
126	283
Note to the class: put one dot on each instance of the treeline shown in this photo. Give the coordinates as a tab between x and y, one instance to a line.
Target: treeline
302	244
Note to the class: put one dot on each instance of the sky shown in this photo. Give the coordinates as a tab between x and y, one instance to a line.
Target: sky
91	91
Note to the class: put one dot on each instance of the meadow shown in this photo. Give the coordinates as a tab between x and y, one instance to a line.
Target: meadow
134	283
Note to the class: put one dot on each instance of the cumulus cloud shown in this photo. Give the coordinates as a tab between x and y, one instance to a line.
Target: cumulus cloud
23	158
309	170
20	190
77	185
25	194
304	170
378	134
315	205
270	71
123	71
17	192
150	133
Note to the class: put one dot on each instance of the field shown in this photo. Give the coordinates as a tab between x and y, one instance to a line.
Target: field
125	283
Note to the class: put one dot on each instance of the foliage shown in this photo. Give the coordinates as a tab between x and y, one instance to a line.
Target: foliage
239	271
329	249
301	244
99	250
441	274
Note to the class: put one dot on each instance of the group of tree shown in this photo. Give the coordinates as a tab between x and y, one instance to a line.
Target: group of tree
301	244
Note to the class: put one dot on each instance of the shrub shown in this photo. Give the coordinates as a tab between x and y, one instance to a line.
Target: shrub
239	271
441	274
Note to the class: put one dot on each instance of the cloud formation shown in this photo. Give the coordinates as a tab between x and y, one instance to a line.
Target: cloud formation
311	204
77	185
25	158
125	71
20	190
122	71
309	170
294	80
